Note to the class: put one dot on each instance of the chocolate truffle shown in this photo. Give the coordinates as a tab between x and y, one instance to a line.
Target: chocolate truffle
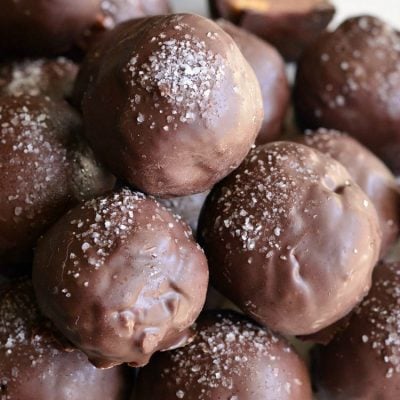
54	78
187	207
174	106
136	269
289	25
230	358
290	238
42	27
114	12
349	80
34	366
368	172
271	74
45	168
362	363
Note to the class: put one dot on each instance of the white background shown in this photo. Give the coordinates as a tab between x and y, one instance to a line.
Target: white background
386	9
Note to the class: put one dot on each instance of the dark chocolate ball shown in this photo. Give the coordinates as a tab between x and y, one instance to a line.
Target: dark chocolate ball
45	168
362	362
368	172
121	278
290	238
270	71
349	80
174	106
33	364
187	207
54	78
230	358
41	27
289	25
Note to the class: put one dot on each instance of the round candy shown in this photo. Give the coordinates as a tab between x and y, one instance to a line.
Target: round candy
362	362
33	364
41	27
230	358
368	172
349	80
54	78
44	167
290	238
174	106
121	278
270	70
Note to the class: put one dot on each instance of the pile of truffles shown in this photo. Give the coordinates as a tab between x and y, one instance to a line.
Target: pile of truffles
168	231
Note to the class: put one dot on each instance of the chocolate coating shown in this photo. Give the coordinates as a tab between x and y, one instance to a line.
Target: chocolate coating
230	358
136	269
42	27
54	78
349	80
34	366
45	168
270	71
187	207
368	172
289	25
174	106
290	238
362	363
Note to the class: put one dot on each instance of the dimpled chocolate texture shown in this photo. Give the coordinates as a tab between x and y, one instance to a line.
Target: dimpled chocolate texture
368	172
54	78
290	238
289	25
42	27
362	363
174	106
269	68
44	167
230	358
349	80
34	366
121	278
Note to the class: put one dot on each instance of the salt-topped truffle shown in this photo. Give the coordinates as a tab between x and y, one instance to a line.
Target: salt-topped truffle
362	362
349	80
44	167
290	238
270	71
368	172
187	207
289	25
185	105
230	358
34	366
54	78
136	269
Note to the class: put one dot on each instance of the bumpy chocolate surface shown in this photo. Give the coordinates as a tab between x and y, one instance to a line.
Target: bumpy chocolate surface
362	363
188	207
271	74
174	106
34	366
368	172
121	278
230	358
349	80
290	238
289	25
53	78
44	167
41	27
